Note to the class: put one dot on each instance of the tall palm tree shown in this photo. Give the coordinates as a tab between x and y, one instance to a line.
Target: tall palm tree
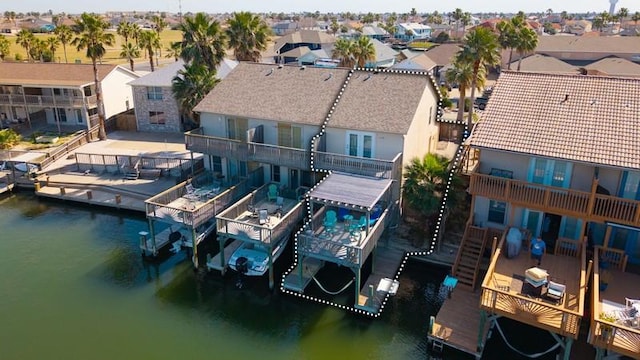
65	35
174	50
125	29
203	40
636	17
91	35
136	30
480	48
462	74
52	44
342	51
191	85
363	51
457	15
426	182
506	35
527	42
248	36
150	41
25	38
158	25
5	47
130	52
622	14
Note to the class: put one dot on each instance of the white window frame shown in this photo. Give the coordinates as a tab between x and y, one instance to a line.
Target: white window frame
360	150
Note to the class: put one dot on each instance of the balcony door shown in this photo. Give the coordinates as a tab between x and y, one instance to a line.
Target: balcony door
360	144
237	129
630	185
289	136
550	172
627	239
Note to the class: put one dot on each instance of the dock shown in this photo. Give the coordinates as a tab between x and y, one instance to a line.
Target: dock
215	263
386	264
458	324
310	267
94	196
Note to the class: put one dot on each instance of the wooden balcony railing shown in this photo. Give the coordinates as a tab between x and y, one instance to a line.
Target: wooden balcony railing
47	100
575	203
279	155
197	142
388	169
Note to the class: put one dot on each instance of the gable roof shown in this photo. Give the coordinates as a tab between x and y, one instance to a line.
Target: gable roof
616	67
420	62
443	54
544	63
296	52
383	52
381	101
581	118
52	73
597	44
304	36
163	77
279	93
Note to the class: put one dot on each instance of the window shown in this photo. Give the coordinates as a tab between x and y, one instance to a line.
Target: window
237	129
275	173
157	117
289	136
154	93
79	116
360	144
501	173
61	114
550	172
497	211
216	164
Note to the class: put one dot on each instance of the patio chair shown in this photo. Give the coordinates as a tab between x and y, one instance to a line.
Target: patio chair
190	189
330	220
263	216
556	291
272	195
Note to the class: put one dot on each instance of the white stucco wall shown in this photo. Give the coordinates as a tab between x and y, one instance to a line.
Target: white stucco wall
422	137
386	146
117	92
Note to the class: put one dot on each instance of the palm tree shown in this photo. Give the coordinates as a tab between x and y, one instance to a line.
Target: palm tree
526	42
622	14
191	85
334	26
159	25
342	50
174	50
150	41
91	35
480	48
130	51
363	51
52	44
65	35
25	38
506	34
248	36
462	74
135	33
125	29
426	182
457	15
203	40
5	47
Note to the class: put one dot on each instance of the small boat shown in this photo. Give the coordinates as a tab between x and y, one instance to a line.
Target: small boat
27	168
253	259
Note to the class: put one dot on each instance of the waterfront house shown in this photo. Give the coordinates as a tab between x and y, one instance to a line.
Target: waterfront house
286	48
297	123
284	28
412	31
156	108
583	50
62	93
566	171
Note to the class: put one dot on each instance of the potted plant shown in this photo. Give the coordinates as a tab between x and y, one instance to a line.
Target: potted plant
605	328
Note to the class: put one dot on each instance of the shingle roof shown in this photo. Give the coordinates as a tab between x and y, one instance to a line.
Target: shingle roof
544	63
421	62
598	44
305	36
384	101
297	52
164	76
584	118
616	67
383	52
443	54
267	91
51	73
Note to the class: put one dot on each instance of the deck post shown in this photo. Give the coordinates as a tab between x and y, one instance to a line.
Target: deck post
357	271
194	238
192	168
373	259
599	353
483	320
152	232
222	241
567	348
271	280
607	236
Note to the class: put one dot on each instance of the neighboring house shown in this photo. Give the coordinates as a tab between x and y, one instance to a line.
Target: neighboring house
298	123
583	50
284	28
577	27
312	40
63	93
312	57
412	31
420	62
567	171
374	32
156	108
544	64
614	66
385	55
443	56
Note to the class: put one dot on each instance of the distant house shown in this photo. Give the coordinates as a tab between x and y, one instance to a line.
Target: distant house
583	50
420	62
544	64
312	40
284	28
156	108
62	93
412	31
577	27
385	55
615	66
442	55
313	56
374	32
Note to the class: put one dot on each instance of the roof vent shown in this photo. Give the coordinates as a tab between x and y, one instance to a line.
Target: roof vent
566	98
594	102
270	72
368	77
302	67
329	77
280	66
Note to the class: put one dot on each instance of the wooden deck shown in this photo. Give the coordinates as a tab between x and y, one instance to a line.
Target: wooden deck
293	282
80	193
457	324
504	291
386	264
216	264
623	337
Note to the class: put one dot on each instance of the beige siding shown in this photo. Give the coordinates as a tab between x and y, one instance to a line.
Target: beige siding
422	137
117	92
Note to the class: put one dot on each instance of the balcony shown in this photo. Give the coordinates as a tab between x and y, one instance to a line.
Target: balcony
388	169
197	142
279	155
580	204
48	101
241	221
622	335
504	292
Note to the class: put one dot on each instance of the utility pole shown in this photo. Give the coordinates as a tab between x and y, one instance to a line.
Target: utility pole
180	11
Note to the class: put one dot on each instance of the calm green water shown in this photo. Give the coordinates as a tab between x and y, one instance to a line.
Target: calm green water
73	286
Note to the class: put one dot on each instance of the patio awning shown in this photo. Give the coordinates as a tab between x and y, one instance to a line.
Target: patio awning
350	190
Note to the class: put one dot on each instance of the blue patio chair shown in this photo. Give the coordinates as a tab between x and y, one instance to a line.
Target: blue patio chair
330	220
272	195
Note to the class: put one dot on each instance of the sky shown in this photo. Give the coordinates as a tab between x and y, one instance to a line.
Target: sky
357	6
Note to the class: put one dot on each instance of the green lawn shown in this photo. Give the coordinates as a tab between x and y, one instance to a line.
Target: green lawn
421	44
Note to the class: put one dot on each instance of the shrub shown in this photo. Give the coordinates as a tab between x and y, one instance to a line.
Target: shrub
8	138
18	57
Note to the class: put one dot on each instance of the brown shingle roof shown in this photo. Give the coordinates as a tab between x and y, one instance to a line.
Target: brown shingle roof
266	91
598	44
543	63
443	54
381	102
305	36
616	67
599	122
51	73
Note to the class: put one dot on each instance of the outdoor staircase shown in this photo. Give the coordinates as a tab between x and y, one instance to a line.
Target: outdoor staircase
467	264
131	172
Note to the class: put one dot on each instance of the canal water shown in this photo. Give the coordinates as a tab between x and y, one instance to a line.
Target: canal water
74	286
